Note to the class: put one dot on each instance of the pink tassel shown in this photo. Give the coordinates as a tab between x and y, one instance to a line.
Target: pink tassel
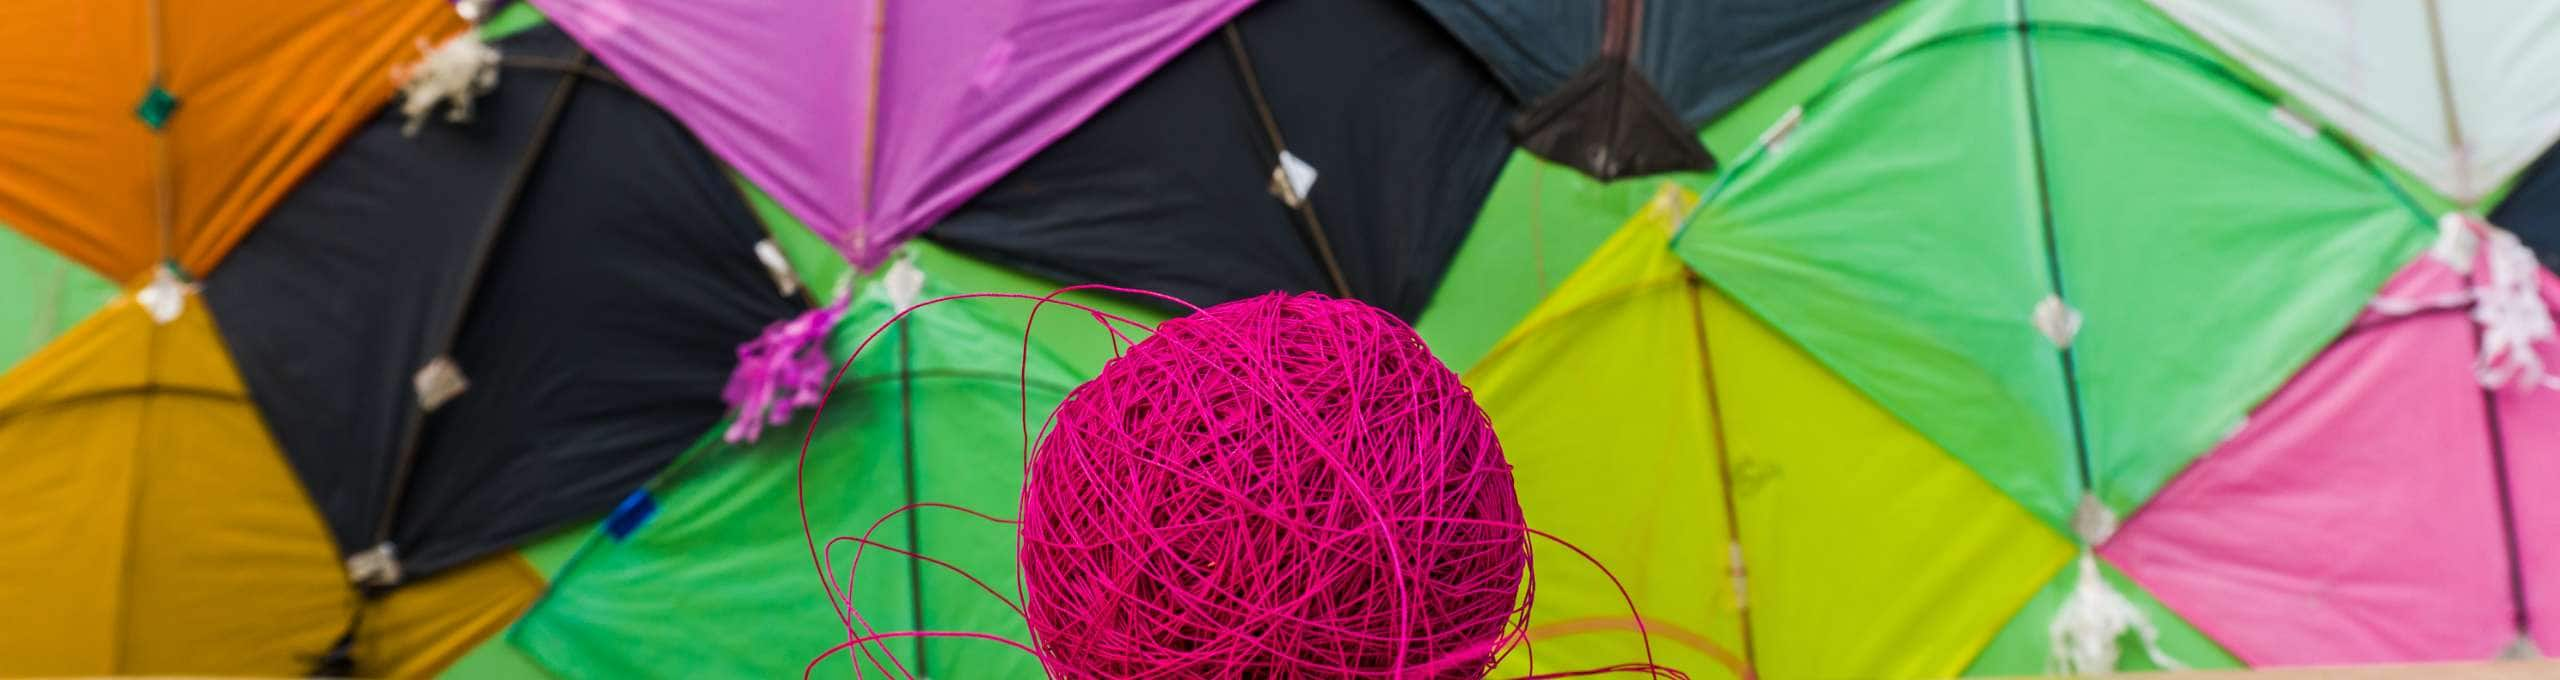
780	372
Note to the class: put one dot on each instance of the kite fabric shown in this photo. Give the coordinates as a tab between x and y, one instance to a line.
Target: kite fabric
1868	551
1171	188
1071	334
243	99
156	531
1618	88
2532	208
1979	241
2453	92
2025	646
717	578
580	263
1542	219
42	294
872	119
1597	395
2356	517
492	657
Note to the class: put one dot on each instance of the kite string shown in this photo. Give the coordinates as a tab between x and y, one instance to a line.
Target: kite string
854	624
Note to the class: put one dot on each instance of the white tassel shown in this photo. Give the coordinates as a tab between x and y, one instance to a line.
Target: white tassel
2513	320
2083	635
454	73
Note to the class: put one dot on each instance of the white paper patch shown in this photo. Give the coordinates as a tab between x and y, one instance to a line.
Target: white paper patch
1777	132
2291	121
377	566
165	297
904	282
1292	179
438	382
2058	321
777	266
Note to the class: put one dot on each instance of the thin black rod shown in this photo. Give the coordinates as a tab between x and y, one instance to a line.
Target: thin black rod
1306	207
490	229
2052	248
2497	432
1724	472
915	524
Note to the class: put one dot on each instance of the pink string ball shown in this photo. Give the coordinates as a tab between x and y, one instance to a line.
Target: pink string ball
1282	486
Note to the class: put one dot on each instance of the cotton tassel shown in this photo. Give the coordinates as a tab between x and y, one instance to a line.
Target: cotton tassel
780	372
2084	633
2513	319
474	11
454	73
786	369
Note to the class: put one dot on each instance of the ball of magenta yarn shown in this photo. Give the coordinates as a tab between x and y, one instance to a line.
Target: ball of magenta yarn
1282	486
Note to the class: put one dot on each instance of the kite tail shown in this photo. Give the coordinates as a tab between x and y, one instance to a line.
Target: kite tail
2084	633
780	372
453	74
2512	316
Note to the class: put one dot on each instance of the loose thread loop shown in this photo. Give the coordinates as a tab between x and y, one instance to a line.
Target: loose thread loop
1345	512
2512	315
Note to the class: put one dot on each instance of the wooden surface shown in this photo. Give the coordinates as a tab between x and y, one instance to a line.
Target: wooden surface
2504	670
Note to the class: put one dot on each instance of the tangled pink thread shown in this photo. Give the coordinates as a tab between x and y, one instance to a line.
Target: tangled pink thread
1282	486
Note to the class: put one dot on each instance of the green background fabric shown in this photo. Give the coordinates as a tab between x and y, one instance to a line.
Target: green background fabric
1898	235
707	583
497	659
41	295
514	18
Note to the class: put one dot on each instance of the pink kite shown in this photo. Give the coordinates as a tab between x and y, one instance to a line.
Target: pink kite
870	119
2361	515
